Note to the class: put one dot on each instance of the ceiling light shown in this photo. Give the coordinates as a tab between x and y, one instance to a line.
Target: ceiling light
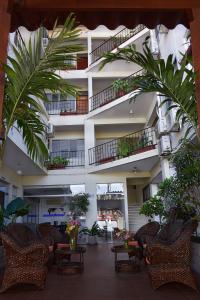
134	170
19	172
131	111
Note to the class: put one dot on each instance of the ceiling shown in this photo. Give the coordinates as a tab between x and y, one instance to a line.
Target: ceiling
17	160
140	108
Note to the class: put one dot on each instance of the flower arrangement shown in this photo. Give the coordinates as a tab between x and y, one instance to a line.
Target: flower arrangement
72	229
124	235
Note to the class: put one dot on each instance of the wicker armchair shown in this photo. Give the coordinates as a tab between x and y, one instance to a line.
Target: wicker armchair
171	263
147	232
24	264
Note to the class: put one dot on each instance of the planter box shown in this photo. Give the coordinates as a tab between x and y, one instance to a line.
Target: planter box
67	113
147	148
195	248
106	160
92	240
55	167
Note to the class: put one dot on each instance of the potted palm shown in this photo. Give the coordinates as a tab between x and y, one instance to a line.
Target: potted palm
92	233
121	87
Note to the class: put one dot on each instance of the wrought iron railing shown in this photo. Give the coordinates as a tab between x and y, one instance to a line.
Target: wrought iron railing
64	159
125	146
115	41
67	107
111	93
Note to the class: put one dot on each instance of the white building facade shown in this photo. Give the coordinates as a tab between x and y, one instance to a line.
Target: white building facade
116	150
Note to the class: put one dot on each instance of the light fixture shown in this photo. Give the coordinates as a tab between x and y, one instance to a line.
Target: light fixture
135	170
19	172
131	111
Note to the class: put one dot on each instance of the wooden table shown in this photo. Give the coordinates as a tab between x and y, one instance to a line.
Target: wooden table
132	264
70	266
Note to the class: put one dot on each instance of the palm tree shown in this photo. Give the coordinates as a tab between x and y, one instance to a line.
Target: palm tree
29	73
177	86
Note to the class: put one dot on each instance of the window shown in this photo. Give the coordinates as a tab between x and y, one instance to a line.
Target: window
146	193
73	146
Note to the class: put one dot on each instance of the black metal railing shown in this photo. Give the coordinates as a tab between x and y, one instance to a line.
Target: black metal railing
64	159
114	42
128	145
112	93
67	107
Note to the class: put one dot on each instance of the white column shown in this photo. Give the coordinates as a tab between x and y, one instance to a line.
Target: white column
90	188
90	90
153	189
89	48
165	167
89	136
126	206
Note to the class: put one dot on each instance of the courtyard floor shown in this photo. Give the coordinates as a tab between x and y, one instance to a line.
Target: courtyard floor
99	281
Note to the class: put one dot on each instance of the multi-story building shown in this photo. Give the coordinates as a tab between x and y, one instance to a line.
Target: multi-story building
114	149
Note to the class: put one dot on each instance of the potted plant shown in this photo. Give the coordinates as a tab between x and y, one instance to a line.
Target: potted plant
79	205
92	233
121	87
123	148
58	162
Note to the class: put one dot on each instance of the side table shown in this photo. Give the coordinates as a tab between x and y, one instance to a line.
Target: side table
71	266
128	265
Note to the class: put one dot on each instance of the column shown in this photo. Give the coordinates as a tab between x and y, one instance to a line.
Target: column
90	188
4	35
90	90
195	27
89	137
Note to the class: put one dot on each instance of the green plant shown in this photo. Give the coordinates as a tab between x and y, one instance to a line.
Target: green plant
59	160
163	77
153	207
123	148
79	204
16	208
95	230
121	85
29	73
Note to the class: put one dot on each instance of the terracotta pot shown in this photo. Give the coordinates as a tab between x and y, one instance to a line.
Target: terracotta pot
54	167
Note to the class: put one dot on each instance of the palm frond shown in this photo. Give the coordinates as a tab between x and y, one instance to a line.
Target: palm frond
30	72
162	77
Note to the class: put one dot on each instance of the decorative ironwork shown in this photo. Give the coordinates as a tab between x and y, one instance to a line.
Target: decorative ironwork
67	107
110	93
125	146
114	42
66	159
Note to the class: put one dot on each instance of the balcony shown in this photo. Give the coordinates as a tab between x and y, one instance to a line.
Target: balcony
112	93
131	144
114	42
68	107
65	159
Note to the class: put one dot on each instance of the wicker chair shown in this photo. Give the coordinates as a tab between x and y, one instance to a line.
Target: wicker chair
171	263
24	264
147	232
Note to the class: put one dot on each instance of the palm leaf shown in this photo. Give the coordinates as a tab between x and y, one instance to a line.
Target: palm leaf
29	73
162	77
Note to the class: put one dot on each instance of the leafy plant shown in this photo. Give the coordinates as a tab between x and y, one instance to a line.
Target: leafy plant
16	208
29	73
123	148
79	204
153	207
121	85
177	86
59	160
95	230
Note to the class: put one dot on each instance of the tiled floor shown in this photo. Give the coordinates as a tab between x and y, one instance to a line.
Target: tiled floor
99	281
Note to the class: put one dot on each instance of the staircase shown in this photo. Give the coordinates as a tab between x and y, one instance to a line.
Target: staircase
135	219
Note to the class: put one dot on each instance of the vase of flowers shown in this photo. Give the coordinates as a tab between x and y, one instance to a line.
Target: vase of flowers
124	235
72	231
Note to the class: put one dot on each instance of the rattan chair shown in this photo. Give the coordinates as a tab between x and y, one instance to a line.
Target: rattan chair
171	263
147	232
24	264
